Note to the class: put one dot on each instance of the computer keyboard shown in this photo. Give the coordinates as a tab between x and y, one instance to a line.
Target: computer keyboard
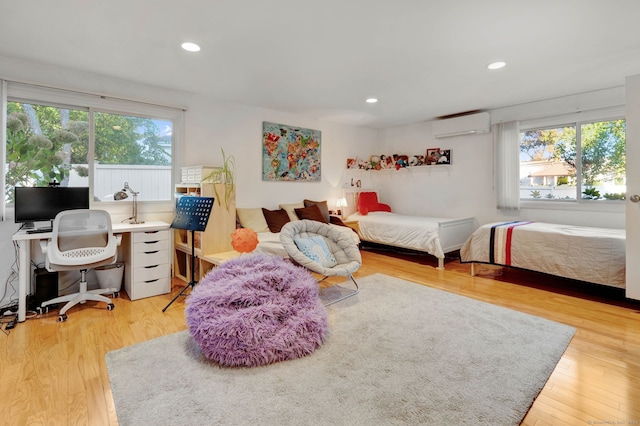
39	230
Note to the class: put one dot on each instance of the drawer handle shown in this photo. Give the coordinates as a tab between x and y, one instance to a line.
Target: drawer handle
151	252
151	232
152	266
151	242
151	281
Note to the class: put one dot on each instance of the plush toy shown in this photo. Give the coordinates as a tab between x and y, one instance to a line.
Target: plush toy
383	161
375	162
416	160
389	161
401	161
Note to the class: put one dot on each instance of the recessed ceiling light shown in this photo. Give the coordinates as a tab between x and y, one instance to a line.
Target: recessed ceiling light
191	47
372	100
496	65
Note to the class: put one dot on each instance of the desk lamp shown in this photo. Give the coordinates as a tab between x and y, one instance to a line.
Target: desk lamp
121	195
341	203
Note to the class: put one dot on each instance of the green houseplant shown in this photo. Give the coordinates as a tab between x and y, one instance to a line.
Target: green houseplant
223	175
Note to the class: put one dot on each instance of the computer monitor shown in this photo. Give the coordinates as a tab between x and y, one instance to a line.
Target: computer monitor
35	204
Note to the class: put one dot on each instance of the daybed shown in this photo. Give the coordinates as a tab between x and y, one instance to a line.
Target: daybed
433	235
595	255
267	223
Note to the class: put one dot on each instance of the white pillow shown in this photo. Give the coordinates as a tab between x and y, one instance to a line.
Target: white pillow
316	249
252	218
290	209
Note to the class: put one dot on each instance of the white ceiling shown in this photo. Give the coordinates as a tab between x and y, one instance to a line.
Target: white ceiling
322	58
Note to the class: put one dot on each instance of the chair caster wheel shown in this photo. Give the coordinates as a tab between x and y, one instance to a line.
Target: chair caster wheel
111	307
62	318
40	310
116	294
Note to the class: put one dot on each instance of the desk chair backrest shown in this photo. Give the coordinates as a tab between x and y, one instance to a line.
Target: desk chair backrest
81	237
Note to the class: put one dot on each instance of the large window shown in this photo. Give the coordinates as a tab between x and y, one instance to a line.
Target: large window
41	143
134	150
66	137
577	161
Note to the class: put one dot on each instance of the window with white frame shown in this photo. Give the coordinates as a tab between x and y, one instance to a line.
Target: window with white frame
87	140
574	161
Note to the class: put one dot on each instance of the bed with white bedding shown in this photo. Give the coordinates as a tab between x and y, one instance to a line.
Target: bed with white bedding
594	255
433	235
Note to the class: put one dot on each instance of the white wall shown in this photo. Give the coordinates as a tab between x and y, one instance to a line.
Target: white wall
210	126
466	187
461	189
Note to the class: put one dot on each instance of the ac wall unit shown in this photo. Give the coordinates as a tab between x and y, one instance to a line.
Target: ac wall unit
463	125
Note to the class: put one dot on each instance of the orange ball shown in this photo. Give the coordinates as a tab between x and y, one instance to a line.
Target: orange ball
244	240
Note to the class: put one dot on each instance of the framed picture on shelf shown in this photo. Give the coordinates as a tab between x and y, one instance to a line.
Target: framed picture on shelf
445	156
432	156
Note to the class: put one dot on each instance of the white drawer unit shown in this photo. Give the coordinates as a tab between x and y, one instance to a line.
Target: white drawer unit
148	266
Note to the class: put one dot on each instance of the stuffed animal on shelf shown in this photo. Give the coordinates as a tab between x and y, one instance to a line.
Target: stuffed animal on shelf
416	160
401	161
374	160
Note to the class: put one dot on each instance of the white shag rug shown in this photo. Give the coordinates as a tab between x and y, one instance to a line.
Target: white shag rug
397	353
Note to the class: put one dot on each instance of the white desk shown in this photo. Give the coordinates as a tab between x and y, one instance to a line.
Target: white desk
24	262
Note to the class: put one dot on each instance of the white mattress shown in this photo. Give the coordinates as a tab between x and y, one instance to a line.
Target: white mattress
412	232
595	255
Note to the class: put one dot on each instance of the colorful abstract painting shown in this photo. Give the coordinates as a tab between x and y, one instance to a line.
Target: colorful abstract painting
290	153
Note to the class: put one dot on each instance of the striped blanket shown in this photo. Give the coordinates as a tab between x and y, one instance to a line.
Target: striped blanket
500	242
595	255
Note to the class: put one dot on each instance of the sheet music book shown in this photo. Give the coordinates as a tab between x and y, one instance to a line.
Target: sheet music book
192	213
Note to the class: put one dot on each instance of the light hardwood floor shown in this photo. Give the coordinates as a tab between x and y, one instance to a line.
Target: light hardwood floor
54	373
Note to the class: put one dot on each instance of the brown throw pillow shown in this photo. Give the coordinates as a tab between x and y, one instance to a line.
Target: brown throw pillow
322	205
276	219
312	213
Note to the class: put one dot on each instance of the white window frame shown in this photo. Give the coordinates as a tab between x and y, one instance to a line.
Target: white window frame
29	93
578	118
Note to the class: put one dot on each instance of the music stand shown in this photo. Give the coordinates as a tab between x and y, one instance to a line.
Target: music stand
192	214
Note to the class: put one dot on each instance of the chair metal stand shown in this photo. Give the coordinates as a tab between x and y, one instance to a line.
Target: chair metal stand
192	214
345	296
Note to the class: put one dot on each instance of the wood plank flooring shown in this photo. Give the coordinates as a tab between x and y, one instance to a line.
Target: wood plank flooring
55	374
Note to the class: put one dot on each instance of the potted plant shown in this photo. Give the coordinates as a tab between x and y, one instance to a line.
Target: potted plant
223	175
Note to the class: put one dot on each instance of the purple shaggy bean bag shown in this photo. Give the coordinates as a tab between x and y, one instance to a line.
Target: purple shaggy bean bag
255	310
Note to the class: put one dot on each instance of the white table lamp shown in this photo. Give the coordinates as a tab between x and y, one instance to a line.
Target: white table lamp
340	203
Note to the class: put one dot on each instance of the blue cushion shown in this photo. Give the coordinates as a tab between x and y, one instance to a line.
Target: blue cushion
316	249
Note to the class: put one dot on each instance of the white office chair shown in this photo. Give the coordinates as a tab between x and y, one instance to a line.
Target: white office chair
82	239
